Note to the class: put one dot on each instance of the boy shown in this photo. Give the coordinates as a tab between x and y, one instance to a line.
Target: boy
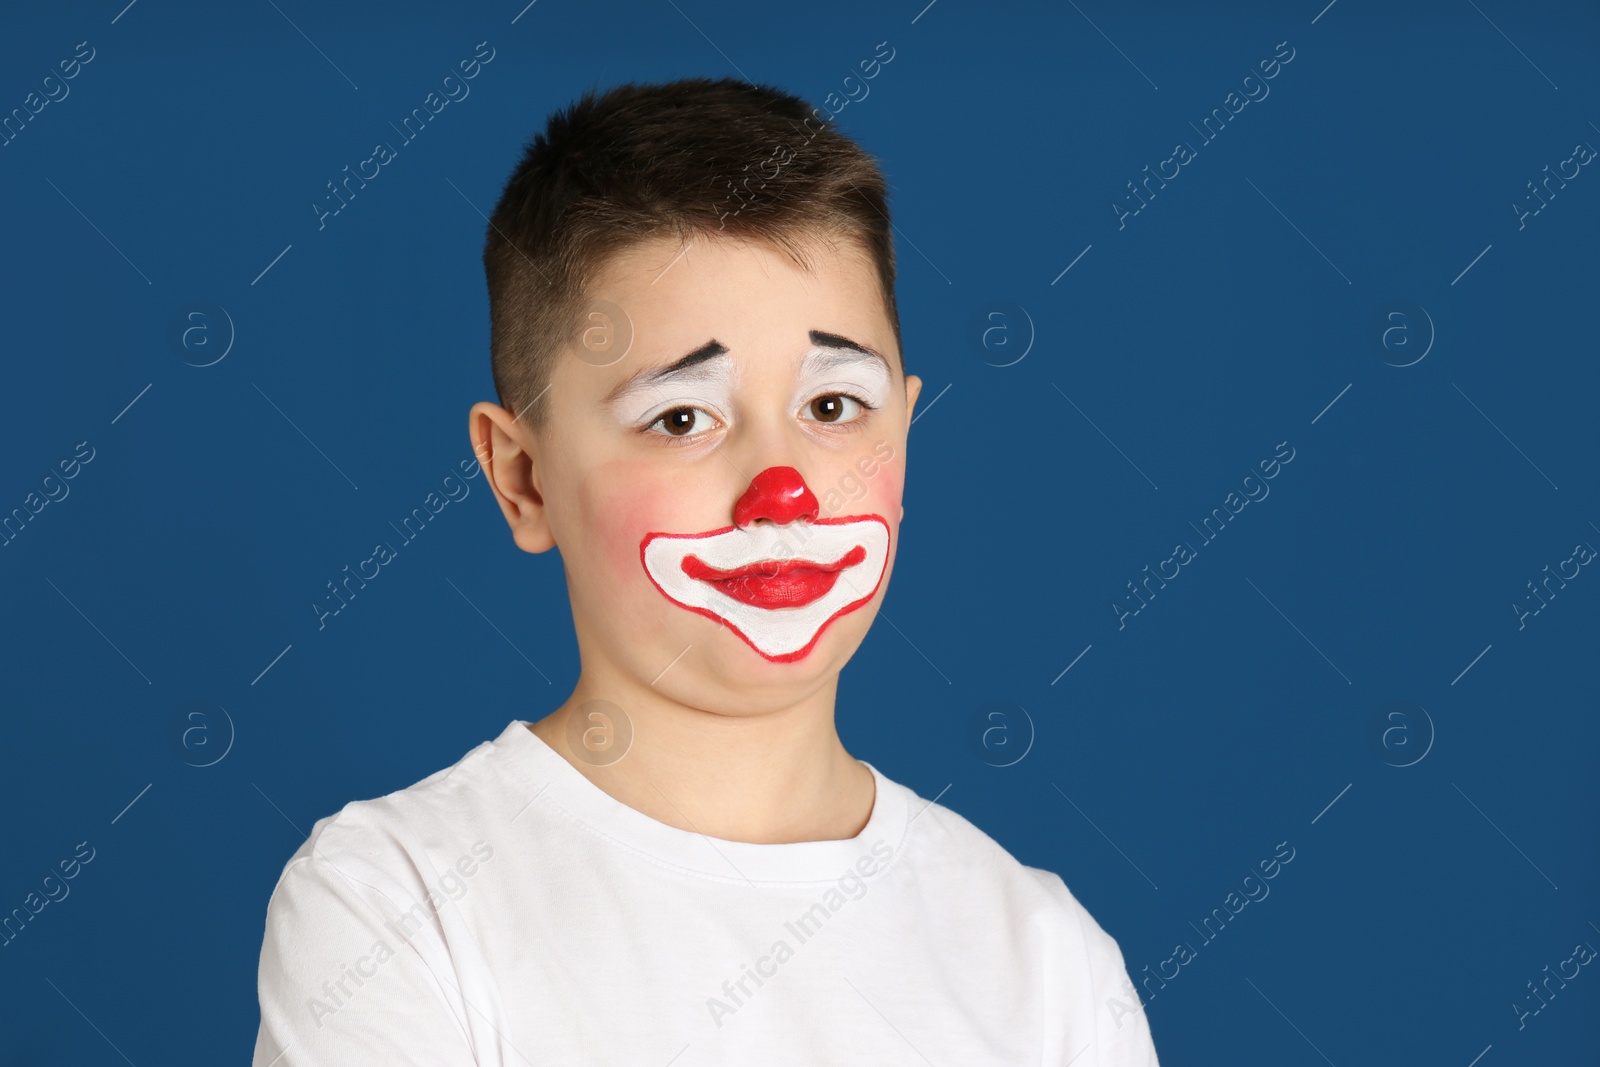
705	409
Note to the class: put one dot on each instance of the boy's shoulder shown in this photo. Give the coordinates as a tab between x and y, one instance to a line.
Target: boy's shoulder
1002	899
375	840
955	846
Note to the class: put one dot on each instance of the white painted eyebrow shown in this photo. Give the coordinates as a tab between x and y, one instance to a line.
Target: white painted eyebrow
710	367
823	358
714	372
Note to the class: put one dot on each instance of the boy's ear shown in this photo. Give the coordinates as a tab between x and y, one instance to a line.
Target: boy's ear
913	390
506	452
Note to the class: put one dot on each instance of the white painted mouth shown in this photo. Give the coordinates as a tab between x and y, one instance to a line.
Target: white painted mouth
781	634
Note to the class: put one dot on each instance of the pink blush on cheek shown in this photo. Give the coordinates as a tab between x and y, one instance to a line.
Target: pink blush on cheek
620	520
885	492
870	481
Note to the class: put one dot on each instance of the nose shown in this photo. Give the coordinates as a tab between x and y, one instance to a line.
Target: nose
779	494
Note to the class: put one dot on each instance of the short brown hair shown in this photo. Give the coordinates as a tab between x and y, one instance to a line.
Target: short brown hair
644	161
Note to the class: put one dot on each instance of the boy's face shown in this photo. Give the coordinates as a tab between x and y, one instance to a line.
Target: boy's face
721	468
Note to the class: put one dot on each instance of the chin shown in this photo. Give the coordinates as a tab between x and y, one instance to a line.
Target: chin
729	676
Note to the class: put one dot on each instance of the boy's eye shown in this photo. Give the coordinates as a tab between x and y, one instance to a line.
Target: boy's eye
682	422
835	407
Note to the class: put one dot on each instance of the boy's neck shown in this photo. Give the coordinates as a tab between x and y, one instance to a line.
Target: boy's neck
770	778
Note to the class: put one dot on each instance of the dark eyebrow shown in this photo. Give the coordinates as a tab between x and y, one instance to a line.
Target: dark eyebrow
712	349
833	340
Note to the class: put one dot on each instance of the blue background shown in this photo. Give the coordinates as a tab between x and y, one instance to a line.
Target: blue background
1242	707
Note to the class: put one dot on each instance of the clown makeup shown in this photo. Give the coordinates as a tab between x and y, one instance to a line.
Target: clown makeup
781	573
748	577
847	376
703	379
839	367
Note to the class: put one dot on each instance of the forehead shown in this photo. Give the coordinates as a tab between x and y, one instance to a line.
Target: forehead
672	295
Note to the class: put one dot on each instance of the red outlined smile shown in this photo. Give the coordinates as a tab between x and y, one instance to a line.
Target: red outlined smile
774	583
776	587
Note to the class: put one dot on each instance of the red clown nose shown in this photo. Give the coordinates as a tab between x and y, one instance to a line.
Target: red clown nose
779	494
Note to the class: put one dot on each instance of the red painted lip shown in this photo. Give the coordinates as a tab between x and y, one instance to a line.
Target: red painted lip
775	583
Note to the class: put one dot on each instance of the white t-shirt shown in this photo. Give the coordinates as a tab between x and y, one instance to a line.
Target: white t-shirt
508	911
